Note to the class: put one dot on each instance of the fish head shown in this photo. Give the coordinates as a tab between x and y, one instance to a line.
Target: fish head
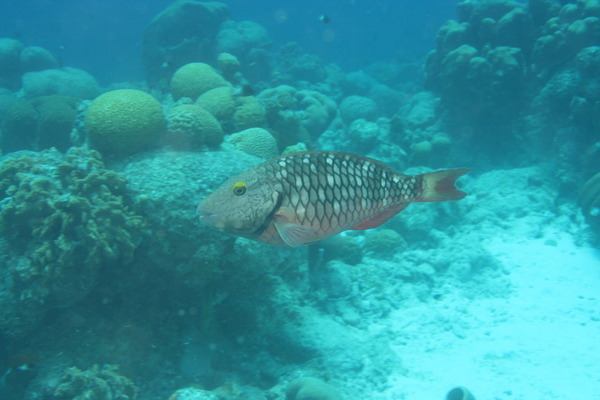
244	205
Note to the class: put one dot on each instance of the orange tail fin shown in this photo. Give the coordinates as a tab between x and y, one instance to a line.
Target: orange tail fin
439	185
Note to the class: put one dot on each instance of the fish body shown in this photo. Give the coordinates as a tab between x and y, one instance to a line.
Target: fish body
302	198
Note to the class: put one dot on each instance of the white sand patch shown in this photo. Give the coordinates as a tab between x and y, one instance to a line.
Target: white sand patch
541	342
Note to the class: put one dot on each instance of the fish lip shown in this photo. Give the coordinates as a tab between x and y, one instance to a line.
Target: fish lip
207	217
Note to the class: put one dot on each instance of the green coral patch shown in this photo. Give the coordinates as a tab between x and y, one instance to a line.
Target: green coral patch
62	219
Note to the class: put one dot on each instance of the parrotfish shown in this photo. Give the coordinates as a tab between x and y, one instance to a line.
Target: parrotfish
301	198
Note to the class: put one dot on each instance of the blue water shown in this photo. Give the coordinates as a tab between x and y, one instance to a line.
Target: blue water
104	37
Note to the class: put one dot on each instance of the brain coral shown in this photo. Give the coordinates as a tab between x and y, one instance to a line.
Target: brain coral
124	121
255	141
191	127
63	218
193	79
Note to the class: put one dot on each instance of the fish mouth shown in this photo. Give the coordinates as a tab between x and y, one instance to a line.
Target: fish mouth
207	217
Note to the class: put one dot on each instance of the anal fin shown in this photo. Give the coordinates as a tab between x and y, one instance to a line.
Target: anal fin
380	218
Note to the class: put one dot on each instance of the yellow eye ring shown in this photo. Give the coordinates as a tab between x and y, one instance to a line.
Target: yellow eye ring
239	188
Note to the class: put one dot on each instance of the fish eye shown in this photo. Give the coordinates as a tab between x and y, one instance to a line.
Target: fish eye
239	188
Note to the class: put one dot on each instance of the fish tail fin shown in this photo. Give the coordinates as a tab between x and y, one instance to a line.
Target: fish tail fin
440	185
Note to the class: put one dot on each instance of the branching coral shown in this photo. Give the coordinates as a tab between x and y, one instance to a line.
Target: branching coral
191	127
62	219
96	383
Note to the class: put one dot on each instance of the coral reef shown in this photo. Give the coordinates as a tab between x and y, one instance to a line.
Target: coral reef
257	142
39	123
192	393
238	38
308	388
220	102
63	219
248	114
35	58
498	56
365	134
248	41
124	121
294	66
228	64
296	115
384	242
10	68
57	116
182	33
193	79
19	126
66	81
191	127
96	383
355	107
589	201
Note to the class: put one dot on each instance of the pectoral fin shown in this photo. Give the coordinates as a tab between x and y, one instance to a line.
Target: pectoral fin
293	234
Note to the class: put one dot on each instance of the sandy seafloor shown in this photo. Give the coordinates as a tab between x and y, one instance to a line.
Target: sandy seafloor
542	342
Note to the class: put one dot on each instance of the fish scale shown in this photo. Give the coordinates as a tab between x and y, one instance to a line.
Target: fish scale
308	187
304	197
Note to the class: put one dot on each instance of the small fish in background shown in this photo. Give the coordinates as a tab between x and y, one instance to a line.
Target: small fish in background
14	381
301	198
324	19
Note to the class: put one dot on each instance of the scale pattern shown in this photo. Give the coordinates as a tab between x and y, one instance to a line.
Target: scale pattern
337	191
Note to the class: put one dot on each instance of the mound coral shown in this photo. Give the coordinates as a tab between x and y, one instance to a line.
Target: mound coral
66	81
248	114
10	68
34	58
39	123
184	32
240	38
191	127
384	242
193	79
255	141
228	65
355	107
296	115
124	121
220	102
63	218
19	126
